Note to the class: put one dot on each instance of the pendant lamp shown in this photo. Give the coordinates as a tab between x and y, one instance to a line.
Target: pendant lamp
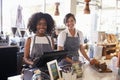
87	9
87	0
57	9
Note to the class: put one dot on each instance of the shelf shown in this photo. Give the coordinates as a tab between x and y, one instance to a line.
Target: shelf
108	49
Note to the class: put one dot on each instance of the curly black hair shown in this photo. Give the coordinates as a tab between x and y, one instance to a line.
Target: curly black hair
67	16
33	20
50	23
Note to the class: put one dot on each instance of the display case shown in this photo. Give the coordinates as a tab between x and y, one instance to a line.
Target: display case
108	49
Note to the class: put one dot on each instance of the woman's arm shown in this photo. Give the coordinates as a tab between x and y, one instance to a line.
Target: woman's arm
27	52
84	53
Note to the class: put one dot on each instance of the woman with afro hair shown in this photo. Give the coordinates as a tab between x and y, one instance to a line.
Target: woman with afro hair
42	25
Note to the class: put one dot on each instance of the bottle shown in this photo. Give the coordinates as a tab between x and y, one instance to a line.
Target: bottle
7	39
91	51
39	75
77	69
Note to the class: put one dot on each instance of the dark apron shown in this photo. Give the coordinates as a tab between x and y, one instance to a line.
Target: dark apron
38	49
72	44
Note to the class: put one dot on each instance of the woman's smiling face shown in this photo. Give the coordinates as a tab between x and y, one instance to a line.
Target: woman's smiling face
41	26
70	22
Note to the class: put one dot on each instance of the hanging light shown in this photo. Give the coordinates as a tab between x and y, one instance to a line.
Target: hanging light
87	0
57	9
87	9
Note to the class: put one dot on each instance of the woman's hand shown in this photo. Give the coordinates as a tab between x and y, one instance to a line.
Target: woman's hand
94	61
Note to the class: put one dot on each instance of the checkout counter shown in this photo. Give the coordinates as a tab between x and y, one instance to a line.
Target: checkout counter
89	73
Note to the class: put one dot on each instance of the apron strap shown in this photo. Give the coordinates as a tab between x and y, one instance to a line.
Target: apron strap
48	40
33	42
78	34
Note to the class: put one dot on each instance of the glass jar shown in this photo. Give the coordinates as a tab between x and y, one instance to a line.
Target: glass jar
40	76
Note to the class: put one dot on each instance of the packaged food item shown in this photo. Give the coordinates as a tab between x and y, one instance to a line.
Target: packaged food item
99	66
77	69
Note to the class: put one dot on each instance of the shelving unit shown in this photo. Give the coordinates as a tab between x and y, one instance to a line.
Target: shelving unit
108	49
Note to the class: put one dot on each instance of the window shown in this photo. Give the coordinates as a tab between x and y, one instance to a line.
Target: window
104	16
87	23
10	12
